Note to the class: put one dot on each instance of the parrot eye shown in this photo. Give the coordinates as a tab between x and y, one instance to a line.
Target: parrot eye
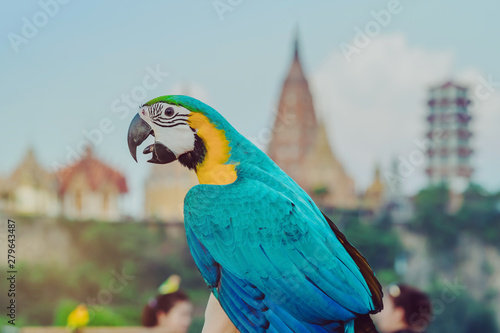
169	112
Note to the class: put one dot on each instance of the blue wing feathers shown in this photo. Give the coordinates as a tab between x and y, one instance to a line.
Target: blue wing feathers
251	302
334	278
239	309
237	317
208	267
278	323
310	301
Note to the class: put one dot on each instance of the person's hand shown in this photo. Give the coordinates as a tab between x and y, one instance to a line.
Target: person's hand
216	320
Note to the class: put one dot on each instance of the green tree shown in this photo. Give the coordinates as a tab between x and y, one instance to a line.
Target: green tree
433	220
463	315
377	243
480	214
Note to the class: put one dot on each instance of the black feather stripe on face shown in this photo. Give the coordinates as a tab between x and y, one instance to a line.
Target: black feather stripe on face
196	156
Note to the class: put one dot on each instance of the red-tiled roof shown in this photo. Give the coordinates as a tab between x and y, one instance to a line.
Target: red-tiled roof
95	172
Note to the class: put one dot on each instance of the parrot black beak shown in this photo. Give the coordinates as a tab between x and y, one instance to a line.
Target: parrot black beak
138	132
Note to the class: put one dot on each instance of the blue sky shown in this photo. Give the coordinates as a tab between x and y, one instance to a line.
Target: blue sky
73	72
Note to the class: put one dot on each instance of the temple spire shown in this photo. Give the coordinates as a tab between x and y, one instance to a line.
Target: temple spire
296	114
296	43
299	143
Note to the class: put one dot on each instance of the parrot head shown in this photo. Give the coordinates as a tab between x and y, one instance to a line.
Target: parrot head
186	130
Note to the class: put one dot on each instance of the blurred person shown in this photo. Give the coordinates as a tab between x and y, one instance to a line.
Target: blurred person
406	310
170	311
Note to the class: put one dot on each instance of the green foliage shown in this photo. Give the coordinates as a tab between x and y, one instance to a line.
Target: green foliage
460	315
62	311
433	220
98	316
377	243
146	253
386	276
478	215
42	287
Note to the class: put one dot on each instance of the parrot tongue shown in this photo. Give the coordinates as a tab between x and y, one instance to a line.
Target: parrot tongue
161	154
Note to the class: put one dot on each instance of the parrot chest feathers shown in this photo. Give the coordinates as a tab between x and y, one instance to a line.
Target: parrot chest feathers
212	168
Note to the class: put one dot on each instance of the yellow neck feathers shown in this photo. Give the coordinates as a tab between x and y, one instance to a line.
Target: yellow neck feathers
213	169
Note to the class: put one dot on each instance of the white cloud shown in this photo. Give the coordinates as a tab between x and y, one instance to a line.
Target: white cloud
375	106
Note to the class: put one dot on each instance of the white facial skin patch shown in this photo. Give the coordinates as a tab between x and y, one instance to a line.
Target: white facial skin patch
170	126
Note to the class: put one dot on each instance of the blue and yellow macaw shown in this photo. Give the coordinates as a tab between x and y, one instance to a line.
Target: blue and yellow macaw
273	260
